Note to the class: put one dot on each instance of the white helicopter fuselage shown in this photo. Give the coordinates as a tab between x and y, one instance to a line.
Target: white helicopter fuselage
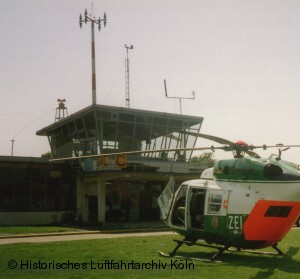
242	202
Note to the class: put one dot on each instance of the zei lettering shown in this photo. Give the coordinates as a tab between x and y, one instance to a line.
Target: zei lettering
235	223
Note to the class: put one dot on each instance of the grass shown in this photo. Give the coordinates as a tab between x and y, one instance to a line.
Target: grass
80	259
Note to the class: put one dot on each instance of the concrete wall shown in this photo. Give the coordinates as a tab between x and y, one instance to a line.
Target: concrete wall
30	218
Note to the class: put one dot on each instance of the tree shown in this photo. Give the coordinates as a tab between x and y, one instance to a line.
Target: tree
47	155
206	157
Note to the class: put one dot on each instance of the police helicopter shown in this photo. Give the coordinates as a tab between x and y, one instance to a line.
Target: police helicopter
242	203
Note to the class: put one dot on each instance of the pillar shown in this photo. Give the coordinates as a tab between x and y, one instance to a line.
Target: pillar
79	198
101	200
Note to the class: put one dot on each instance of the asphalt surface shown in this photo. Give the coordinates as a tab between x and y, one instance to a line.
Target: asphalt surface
71	236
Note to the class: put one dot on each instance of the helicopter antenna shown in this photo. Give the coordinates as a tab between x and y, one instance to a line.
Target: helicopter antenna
281	150
180	98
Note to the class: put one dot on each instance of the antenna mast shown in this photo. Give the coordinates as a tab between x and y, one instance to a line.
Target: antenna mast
180	98
93	21
12	147
127	90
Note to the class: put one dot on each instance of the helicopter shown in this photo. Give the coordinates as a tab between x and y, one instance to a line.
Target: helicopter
240	204
245	203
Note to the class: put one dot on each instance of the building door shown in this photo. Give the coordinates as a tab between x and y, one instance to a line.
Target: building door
93	209
149	210
134	211
145	205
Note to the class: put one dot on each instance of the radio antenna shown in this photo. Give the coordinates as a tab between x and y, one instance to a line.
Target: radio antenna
179	98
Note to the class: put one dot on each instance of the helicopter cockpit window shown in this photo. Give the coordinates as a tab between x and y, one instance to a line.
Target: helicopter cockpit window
197	203
214	203
178	217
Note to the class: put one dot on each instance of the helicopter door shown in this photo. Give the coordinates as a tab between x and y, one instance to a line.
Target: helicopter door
165	200
216	210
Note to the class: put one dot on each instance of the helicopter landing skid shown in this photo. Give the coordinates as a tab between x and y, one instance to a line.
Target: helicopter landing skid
190	243
186	258
279	252
217	254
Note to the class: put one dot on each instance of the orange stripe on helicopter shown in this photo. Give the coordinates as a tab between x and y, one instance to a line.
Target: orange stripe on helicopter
270	221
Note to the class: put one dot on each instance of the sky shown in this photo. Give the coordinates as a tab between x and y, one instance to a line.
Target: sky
241	57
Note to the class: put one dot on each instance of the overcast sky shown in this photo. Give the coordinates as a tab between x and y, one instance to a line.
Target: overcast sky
242	59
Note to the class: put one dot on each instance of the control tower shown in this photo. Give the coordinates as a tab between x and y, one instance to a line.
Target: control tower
102	184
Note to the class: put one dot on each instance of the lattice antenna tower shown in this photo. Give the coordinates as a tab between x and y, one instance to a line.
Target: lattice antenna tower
127	80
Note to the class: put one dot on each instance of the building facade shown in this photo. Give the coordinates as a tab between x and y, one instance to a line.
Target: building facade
35	191
107	188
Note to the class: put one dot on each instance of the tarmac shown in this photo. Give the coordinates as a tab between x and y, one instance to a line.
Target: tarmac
35	238
86	234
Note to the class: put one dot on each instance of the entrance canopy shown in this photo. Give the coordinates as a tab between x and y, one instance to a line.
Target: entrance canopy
100	129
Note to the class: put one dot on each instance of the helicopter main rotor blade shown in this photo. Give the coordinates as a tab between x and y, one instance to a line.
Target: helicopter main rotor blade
140	152
286	146
209	137
225	141
233	146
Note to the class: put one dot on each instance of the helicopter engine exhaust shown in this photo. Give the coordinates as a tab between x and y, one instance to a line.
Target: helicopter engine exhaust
272	171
